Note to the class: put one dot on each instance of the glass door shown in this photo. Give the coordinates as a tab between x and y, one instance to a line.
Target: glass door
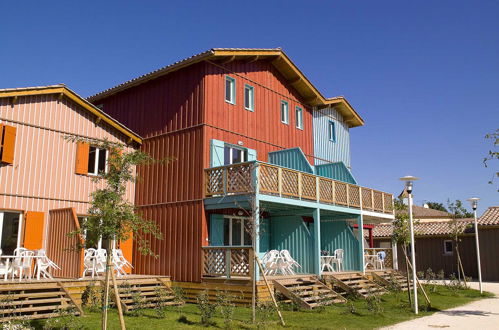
10	231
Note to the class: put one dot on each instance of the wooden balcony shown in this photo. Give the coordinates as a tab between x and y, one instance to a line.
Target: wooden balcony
284	182
227	261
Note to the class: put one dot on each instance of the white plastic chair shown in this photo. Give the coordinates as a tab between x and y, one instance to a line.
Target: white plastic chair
94	261
380	260
44	264
120	262
270	262
326	263
288	263
338	259
23	261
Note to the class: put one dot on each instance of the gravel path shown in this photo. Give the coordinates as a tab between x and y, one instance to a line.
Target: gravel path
481	314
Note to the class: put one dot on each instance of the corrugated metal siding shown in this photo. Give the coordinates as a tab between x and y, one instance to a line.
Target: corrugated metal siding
291	158
336	171
61	248
43	174
182	225
292	233
324	149
261	129
168	113
338	235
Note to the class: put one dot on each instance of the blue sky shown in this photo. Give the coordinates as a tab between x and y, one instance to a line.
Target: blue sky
423	75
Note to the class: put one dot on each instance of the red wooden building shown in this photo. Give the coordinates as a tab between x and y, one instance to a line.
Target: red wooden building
255	100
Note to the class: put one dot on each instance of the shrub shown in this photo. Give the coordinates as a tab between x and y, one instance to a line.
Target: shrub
226	307
92	297
206	308
66	320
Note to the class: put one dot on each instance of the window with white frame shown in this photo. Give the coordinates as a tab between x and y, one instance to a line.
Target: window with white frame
10	231
237	231
299	117
230	90
249	98
92	240
284	112
234	155
448	247
97	159
331	131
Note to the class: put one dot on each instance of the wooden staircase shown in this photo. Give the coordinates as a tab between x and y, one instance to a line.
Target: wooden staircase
145	293
391	279
307	291
32	300
354	283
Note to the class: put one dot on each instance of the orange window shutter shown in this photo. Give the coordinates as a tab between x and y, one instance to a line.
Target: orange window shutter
33	230
82	151
127	248
9	142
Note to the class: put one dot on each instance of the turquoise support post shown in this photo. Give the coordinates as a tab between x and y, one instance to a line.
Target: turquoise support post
317	241
360	223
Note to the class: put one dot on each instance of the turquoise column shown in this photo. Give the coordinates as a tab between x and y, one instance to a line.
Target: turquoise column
317	241
256	225
360	224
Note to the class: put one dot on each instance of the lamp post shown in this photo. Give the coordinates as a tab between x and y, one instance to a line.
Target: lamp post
408	187
474	204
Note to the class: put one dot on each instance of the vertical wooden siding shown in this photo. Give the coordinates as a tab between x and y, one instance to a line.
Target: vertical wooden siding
61	248
261	129
42	176
168	113
338	151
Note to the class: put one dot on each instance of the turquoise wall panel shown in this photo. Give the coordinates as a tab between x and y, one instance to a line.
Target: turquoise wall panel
324	149
292	233
339	235
291	158
337	171
264	232
216	230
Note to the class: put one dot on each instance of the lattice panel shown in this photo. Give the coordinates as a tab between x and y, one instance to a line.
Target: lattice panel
269	179
308	187
289	183
353	196
239	179
214	261
214	182
388	255
367	201
388	202
239	262
340	193
326	190
378	201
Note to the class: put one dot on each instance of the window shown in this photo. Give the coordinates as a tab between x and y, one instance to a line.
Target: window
284	112
234	155
236	231
249	97
448	247
299	118
92	240
10	231
230	90
331	131
97	160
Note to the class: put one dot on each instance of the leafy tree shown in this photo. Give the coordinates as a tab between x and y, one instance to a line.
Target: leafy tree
457	210
436	206
111	216
493	154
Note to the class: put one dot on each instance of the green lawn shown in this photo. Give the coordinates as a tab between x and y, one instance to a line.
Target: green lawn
355	315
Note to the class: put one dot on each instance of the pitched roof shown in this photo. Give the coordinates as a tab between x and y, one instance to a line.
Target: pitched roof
436	228
277	57
62	90
490	216
423	212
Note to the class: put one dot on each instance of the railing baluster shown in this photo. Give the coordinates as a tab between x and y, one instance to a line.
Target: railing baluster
279	178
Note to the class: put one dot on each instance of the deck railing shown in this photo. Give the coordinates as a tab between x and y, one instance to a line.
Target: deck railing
285	182
227	261
388	261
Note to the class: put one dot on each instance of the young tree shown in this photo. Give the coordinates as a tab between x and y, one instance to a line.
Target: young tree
493	154
457	227
113	217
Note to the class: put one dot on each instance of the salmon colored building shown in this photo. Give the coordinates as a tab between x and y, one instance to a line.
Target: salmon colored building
243	125
46	181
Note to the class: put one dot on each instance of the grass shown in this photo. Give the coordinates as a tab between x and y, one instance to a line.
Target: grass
395	309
